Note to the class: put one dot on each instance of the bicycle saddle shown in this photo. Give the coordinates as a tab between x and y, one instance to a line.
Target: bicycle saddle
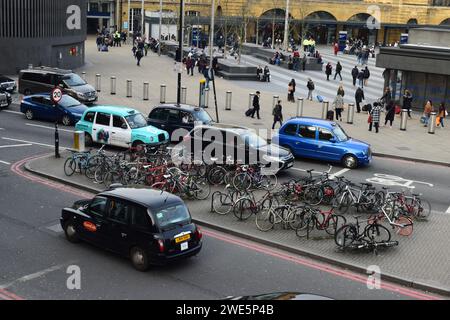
366	184
310	170
356	217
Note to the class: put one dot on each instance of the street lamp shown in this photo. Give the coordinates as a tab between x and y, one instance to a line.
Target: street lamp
160	25
286	27
180	49
142	19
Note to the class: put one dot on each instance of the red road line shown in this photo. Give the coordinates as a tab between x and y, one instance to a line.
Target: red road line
4	297
10	295
266	250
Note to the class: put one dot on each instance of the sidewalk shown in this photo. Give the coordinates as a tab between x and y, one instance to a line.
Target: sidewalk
415	143
419	261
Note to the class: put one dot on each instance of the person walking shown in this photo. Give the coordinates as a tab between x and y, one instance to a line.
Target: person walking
291	90
338	104
407	101
387	97
139	55
441	115
427	112
338	70
366	75
359	97
328	70
355	73
341	91
336	48
277	114
311	87
256	106
361	78
390	114
374	117
190	66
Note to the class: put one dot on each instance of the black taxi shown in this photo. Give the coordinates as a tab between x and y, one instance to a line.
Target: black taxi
148	226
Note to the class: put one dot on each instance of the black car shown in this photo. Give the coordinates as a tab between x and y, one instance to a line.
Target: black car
221	143
7	84
148	226
169	117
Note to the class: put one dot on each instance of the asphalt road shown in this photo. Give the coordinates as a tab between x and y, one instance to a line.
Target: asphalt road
35	254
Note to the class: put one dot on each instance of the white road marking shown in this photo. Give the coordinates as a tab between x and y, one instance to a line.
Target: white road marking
49	128
16	145
448	210
4	162
340	172
390	180
2	128
56	228
10	111
34	143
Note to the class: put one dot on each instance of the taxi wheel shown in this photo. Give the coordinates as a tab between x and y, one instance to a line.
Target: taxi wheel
88	140
71	232
139	259
350	162
29	114
66	120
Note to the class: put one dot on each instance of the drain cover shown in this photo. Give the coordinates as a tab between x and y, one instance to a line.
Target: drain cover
403	148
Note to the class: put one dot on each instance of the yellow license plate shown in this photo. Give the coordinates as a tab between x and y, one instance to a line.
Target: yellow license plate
183	238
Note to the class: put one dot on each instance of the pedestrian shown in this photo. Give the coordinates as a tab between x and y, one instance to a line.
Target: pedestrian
390	114
266	74
359	97
139	55
311	87
338	104
366	75
291	90
99	42
407	100
341	91
304	62
134	49
336	49
328	70
361	78
256	105
146	45
277	114
374	117
427	112
190	66
338	70
355	73
387	97
206	75
441	115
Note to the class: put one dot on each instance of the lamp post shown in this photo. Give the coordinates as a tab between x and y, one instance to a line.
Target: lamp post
286	27
128	15
142	19
160	25
180	49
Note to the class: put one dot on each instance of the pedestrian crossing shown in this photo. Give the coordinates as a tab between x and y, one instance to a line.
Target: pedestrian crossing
280	77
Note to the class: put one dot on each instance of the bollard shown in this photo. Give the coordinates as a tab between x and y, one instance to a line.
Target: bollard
206	98
162	94
228	101
129	89
404	119
432	123
98	82
299	107
78	141
146	91
324	109
250	100
350	113
113	85
183	95
83	75
275	101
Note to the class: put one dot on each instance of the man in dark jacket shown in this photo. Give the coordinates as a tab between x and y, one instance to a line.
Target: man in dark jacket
256	105
355	73
366	75
328	71
359	97
361	78
338	70
277	114
139	55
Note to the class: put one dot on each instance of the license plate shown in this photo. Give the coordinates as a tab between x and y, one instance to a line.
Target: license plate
184	246
10	88
3	105
290	164
91	99
182	238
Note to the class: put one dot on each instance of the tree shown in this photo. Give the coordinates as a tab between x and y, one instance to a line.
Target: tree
241	27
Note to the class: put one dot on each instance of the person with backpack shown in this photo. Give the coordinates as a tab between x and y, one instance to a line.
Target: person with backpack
338	70
338	104
366	75
355	73
277	114
359	97
328	70
311	87
256	105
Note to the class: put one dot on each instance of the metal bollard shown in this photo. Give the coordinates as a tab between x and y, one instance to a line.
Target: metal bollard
78	141
299	107
206	98
146	91
404	119
162	94
83	75
98	82
228	101
113	85
432	123
129	89
183	95
325	105
250	100
275	101
350	113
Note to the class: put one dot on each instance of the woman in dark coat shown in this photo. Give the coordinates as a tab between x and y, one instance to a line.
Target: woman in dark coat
407	100
390	113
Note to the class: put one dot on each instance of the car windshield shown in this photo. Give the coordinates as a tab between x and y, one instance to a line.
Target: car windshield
68	102
340	133
203	116
136	121
172	215
253	140
74	80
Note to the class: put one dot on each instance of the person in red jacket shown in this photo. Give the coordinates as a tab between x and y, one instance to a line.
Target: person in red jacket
336	49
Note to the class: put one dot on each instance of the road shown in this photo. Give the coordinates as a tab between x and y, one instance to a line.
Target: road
36	254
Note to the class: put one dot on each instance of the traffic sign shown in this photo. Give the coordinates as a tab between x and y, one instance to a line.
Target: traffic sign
56	95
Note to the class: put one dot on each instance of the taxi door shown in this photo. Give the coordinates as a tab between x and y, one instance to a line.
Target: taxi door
101	129
120	132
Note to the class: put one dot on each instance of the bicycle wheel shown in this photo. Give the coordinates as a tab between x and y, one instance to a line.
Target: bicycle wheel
91	166
378	233
314	195
201	189
345	236
268	182
242	181
422	209
296	217
265	220
222	203
406	226
69	166
216	175
334	222
342	204
243	209
305	228
99	174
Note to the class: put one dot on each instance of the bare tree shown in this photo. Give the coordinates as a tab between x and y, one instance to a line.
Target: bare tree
245	16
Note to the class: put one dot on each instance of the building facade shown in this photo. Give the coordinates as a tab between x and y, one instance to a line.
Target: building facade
42	33
101	14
